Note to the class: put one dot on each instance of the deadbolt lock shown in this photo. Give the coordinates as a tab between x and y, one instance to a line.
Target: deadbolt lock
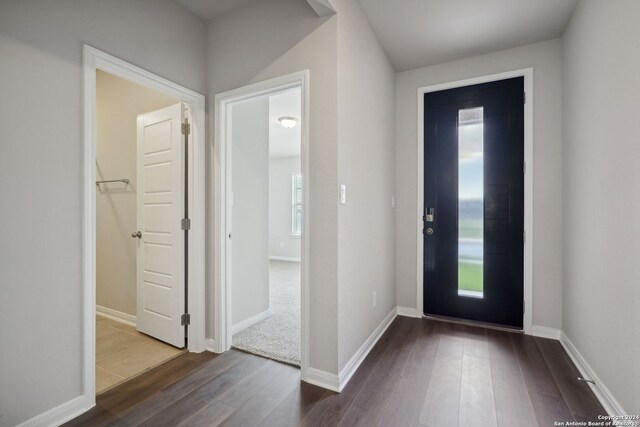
428	216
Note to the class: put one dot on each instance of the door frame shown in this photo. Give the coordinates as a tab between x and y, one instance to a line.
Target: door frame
93	60
527	73
222	286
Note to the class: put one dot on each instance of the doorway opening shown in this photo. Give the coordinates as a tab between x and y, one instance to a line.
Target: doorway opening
267	216
139	203
143	213
261	291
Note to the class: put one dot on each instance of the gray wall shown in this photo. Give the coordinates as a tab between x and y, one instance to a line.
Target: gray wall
280	210
265	40
118	104
41	174
545	58
601	293
366	146
250	219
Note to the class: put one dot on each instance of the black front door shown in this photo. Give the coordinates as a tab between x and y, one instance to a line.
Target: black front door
474	202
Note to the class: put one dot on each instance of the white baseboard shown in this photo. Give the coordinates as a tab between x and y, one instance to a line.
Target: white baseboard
60	414
210	345
608	402
284	258
545	332
116	315
338	382
408	312
250	321
322	379
356	360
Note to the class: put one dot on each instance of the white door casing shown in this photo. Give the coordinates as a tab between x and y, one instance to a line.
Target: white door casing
93	60
160	208
223	204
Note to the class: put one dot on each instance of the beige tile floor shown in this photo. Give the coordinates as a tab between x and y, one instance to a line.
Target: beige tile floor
122	353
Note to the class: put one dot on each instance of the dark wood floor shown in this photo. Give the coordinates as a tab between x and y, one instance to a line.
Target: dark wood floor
420	373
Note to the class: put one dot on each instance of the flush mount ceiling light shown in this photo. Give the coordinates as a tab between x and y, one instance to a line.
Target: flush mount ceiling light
288	122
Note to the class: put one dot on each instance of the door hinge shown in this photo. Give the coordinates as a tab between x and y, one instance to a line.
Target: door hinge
186	128
524	97
185	223
524	167
185	319
524	306
524	237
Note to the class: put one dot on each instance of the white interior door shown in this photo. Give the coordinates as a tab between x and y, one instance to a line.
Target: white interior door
160	208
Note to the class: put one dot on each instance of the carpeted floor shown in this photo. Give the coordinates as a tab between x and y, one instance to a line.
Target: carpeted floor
278	336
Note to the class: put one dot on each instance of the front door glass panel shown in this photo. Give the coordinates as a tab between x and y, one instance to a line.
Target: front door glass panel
470	202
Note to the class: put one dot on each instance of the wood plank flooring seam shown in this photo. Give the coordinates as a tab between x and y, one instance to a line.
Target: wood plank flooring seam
404	365
368	377
540	399
576	411
495	405
523	376
387	354
384	418
212	388
512	401
564	397
449	355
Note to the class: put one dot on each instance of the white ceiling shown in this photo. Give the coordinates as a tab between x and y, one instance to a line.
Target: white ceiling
417	33
208	9
284	142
